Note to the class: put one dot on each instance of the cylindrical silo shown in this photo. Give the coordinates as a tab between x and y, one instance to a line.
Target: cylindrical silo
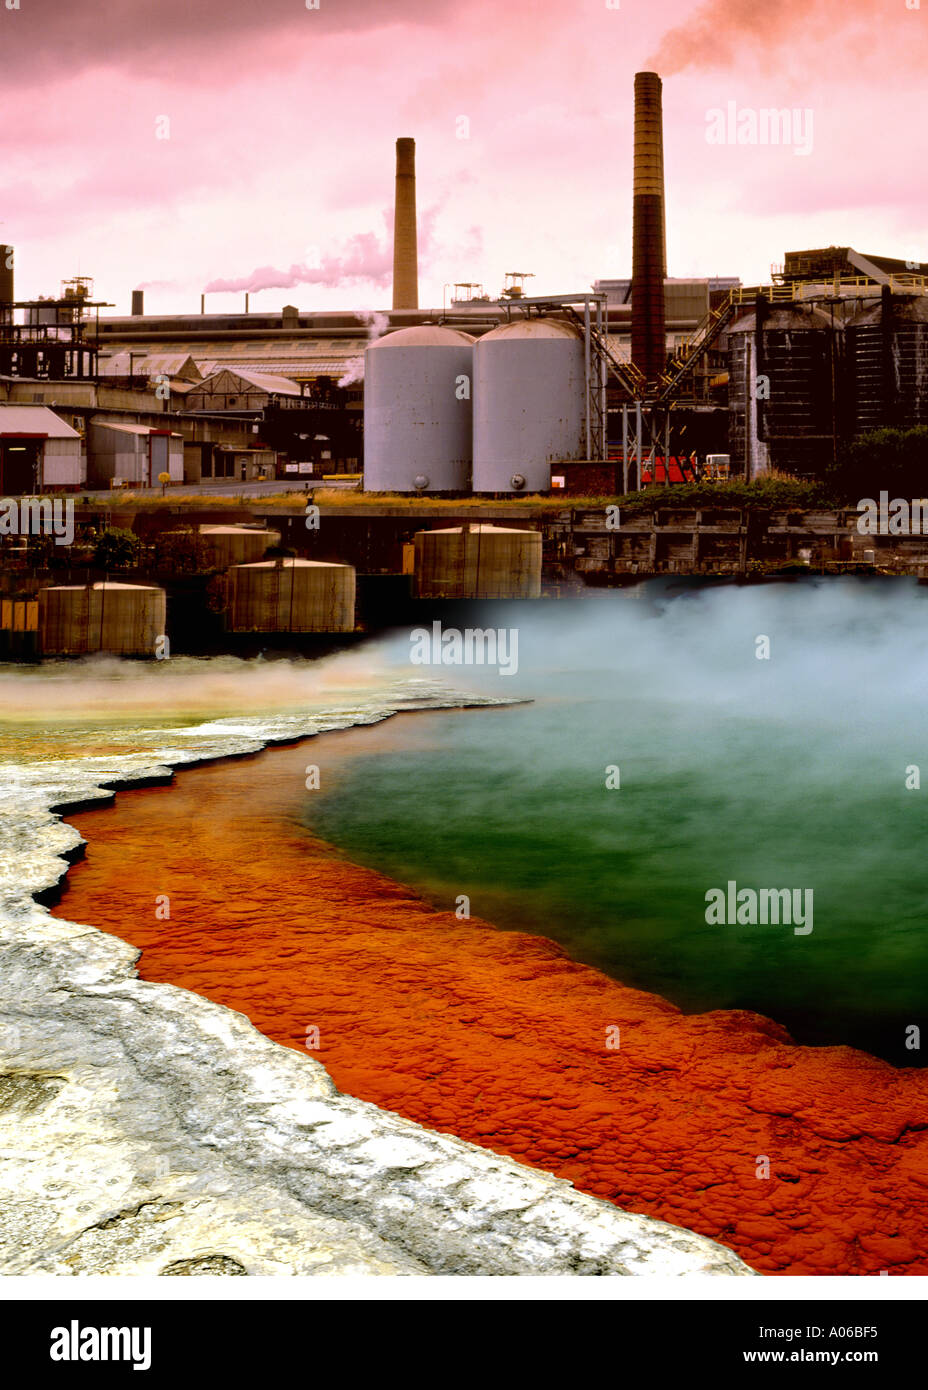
287	595
781	391
887	361
529	404
417	411
224	546
478	561
125	619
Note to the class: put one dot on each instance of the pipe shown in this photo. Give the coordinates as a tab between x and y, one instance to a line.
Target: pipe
638	446
405	248
586	368
624	450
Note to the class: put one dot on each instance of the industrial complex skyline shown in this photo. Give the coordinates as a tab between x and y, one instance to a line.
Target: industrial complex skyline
219	144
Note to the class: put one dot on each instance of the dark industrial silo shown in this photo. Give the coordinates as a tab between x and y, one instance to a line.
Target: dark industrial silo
887	361
781	394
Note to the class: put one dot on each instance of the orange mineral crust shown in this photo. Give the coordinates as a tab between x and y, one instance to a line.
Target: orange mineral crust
803	1160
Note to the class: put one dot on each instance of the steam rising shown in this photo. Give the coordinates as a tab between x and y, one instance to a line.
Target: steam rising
365	259
377	327
107	689
721	31
783	773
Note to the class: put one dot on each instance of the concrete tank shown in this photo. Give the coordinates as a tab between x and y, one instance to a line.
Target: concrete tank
780	391
478	562
417	411
887	363
529	404
289	595
224	546
125	619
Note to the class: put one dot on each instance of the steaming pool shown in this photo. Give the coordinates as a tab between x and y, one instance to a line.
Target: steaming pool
656	768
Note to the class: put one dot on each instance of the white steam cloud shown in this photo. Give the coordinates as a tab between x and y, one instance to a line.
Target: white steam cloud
377	325
364	258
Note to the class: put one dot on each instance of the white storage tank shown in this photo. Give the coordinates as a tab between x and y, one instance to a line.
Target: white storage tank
236	545
286	595
529	404
417	411
124	619
478	561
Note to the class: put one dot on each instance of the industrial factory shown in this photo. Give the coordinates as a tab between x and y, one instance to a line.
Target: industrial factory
507	401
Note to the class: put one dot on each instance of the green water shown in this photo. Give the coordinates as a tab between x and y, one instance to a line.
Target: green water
780	773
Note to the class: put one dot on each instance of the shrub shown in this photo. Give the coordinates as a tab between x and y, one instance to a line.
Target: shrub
116	549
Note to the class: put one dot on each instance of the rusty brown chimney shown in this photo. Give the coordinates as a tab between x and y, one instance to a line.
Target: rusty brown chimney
649	254
405	251
6	284
138	303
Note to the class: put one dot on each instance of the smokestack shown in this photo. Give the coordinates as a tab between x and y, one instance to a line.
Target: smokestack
138	303
649	254
6	283
246	301
202	303
405	251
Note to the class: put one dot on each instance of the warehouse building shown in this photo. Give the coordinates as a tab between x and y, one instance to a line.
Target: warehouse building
126	455
38	451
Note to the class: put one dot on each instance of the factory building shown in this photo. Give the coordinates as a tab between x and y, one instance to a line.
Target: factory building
517	394
241	392
835	348
38	451
125	455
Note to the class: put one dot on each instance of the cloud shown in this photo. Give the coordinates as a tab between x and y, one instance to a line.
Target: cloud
365	259
46	36
377	325
720	31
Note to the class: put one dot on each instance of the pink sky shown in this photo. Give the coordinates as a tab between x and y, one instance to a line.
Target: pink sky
282	121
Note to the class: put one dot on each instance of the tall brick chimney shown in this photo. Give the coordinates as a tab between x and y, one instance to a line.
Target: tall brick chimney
405	249
649	253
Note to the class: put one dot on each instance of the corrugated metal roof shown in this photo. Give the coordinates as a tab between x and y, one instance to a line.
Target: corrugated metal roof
130	429
295	349
263	381
296	371
153	364
33	419
266	382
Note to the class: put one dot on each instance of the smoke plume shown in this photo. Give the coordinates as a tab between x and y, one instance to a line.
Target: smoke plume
377	325
364	259
719	31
